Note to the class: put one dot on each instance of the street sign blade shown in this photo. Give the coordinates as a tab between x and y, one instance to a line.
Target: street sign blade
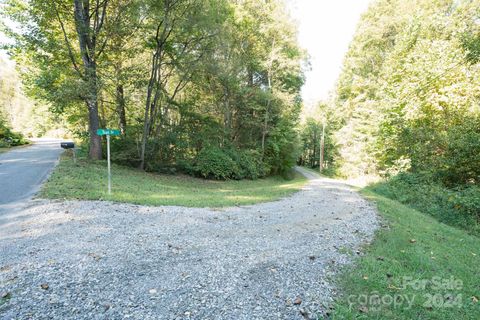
110	132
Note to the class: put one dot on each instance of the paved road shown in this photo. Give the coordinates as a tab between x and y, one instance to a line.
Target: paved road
23	170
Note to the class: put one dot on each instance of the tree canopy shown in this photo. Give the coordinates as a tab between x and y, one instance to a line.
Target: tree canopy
409	92
184	80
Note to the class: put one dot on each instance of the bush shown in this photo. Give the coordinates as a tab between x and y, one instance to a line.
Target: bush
124	151
459	164
458	207
249	162
8	138
217	163
214	163
283	148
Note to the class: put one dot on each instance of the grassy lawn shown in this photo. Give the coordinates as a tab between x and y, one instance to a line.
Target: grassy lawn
88	180
412	246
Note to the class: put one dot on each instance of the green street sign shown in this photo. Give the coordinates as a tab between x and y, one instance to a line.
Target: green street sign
109	132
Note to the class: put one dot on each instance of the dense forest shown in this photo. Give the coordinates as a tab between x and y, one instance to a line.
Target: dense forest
210	88
406	106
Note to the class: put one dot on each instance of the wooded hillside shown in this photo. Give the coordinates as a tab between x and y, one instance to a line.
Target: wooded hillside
409	92
407	105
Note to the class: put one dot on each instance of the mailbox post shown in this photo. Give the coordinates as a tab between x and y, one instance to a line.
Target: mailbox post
108	133
69	145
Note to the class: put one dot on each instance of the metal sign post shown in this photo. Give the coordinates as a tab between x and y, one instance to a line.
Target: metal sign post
108	133
108	161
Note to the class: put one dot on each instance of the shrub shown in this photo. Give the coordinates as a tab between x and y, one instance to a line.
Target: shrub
459	206
459	164
249	163
8	138
214	163
125	151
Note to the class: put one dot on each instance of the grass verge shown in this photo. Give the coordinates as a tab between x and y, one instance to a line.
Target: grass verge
88	180
416	268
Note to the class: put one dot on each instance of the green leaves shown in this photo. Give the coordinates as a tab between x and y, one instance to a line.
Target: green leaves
410	83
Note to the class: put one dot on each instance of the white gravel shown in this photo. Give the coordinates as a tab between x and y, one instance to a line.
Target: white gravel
105	260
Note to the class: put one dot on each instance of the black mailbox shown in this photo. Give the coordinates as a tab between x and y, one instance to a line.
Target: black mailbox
67	145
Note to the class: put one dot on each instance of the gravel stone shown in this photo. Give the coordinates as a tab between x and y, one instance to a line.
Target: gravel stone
104	260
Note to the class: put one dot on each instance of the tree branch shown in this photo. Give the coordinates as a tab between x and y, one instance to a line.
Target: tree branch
65	37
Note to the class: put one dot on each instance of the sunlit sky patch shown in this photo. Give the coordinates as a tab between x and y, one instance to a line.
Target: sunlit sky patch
326	28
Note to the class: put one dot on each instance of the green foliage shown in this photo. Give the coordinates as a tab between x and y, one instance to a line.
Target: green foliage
458	206
174	76
311	133
409	85
408	106
213	162
283	148
216	163
459	164
8	138
124	151
249	163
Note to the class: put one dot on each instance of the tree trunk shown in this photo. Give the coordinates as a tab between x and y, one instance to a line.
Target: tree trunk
95	151
265	120
95	142
87	44
120	99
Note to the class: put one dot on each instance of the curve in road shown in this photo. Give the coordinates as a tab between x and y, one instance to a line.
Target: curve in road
103	260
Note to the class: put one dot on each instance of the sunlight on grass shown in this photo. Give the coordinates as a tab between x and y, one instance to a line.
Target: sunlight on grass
88	180
412	245
247	198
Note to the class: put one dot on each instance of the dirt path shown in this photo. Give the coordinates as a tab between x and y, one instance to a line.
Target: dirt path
103	260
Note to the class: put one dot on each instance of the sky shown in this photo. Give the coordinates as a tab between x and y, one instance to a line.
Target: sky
326	28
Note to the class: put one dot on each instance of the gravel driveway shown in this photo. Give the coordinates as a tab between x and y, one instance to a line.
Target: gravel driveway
102	260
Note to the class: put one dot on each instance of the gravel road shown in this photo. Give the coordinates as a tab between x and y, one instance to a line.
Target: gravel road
102	260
